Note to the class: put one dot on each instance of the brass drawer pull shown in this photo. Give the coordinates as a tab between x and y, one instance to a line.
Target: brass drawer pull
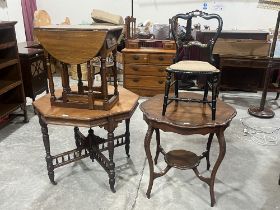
136	57
161	82
161	70
135	80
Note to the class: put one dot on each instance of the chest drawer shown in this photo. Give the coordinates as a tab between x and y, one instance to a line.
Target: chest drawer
248	63
148	70
136	58
161	59
144	82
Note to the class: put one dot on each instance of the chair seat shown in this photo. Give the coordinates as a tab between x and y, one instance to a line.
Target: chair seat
193	66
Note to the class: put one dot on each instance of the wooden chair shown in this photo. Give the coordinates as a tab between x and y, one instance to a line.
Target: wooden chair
185	67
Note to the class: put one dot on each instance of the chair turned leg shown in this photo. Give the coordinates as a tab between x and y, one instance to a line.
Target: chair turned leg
214	95
176	88
206	88
167	87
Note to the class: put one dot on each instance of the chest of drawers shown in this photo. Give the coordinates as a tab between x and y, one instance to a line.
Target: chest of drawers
144	69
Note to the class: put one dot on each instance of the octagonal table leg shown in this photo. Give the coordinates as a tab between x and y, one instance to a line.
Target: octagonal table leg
50	167
110	136
127	137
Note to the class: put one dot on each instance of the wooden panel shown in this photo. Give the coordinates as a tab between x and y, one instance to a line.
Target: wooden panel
161	59
242	47
7	45
7	62
148	51
148	70
147	92
144	81
244	63
72	47
6	109
136	58
5	85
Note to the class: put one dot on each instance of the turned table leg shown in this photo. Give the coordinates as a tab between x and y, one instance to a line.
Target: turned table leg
50	167
127	137
147	143
111	129
222	152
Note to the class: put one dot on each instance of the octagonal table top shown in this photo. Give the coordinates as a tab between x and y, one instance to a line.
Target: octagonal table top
123	109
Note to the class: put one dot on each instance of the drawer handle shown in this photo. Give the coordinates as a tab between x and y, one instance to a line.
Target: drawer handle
135	80
161	58
135	68
136	57
160	82
161	70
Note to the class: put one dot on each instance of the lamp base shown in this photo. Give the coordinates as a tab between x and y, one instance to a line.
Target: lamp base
257	112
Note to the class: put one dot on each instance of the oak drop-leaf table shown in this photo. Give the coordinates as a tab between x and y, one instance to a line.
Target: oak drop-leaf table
91	146
186	119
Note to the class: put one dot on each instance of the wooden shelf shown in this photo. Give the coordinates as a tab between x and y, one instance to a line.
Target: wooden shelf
5	86
6	109
7	62
182	159
7	45
11	86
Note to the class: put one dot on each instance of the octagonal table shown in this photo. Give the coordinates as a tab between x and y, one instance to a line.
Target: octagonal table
92	145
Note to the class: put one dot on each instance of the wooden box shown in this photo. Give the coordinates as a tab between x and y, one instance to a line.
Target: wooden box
242	47
132	44
169	45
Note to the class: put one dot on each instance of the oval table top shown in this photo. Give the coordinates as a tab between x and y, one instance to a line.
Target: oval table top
186	115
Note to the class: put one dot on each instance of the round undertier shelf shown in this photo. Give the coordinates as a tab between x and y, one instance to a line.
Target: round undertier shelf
182	159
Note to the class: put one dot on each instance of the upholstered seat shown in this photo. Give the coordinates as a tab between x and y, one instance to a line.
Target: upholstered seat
193	66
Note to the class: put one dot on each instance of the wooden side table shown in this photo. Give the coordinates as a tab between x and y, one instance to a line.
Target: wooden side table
91	146
186	119
34	70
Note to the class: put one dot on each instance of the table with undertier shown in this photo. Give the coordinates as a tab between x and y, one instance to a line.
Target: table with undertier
185	119
91	145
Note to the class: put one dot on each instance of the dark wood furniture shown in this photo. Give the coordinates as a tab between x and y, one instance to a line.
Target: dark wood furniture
91	146
74	45
185	119
246	72
34	69
144	69
239	73
11	86
185	68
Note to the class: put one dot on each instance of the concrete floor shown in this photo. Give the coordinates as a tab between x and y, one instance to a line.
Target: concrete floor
247	178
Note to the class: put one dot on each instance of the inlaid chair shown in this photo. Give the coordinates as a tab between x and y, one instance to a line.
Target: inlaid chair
184	67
